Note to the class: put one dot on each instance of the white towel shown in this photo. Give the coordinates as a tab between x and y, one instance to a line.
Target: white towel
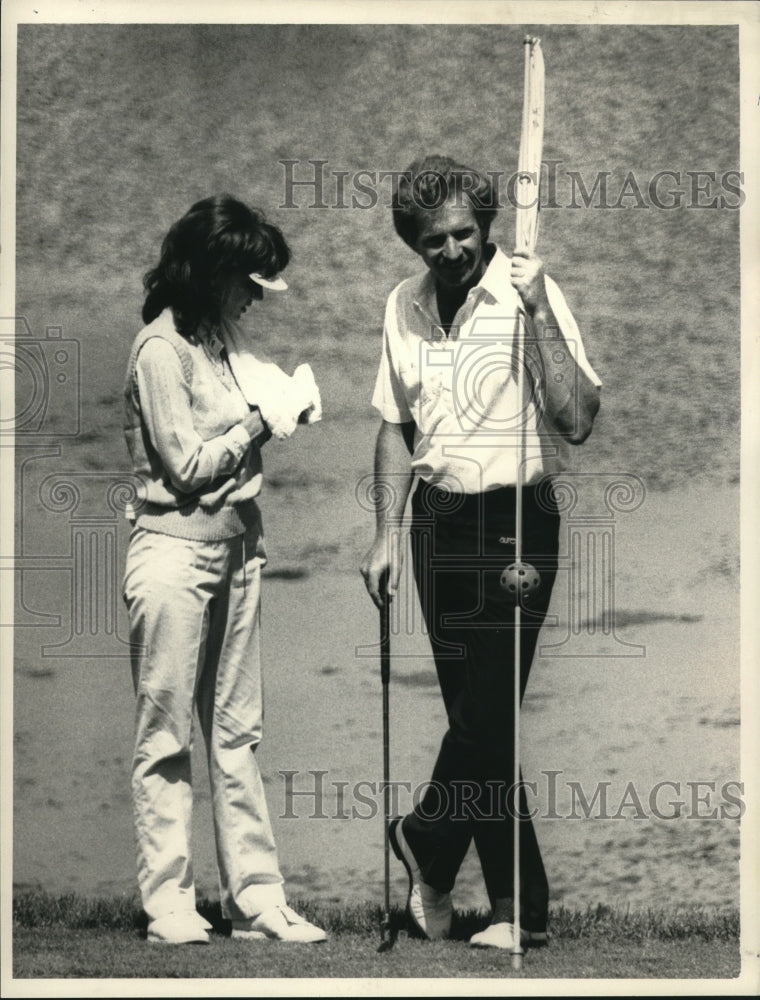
284	400
307	388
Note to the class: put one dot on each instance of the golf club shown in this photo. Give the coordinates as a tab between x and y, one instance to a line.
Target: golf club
387	938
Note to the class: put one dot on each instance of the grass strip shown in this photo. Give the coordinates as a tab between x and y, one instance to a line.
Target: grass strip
35	908
72	936
60	953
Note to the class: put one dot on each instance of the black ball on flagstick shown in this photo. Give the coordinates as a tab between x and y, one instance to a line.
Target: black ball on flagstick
520	582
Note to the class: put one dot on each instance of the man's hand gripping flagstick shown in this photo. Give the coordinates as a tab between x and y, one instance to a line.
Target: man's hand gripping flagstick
520	580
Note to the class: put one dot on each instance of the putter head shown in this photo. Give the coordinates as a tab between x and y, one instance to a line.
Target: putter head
388	934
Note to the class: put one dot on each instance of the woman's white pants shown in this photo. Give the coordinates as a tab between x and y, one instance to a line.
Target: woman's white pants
194	613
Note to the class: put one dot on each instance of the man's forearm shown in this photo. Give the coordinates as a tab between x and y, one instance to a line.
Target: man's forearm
567	397
393	474
570	399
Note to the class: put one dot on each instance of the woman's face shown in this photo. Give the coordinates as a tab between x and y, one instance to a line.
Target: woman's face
237	292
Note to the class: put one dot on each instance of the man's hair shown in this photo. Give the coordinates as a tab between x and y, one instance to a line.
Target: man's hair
217	236
432	181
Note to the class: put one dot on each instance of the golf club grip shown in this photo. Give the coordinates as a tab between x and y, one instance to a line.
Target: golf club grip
385	642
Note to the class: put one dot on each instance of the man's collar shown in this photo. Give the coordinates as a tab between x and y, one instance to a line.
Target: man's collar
496	279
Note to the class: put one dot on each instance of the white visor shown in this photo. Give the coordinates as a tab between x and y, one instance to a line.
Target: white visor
276	284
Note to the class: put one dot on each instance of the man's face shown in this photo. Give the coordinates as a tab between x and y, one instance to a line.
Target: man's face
451	244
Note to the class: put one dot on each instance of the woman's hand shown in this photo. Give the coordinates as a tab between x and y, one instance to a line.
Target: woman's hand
254	425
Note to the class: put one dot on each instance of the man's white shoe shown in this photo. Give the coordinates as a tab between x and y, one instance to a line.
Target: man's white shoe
278	923
429	909
502	935
179	927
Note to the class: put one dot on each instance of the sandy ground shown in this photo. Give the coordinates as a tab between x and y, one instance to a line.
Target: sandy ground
654	291
663	708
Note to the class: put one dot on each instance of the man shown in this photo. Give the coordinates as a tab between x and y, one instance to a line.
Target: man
451	421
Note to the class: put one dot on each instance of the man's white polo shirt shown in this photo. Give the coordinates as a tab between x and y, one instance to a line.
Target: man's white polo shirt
461	390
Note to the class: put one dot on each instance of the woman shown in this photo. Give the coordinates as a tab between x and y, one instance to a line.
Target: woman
193	574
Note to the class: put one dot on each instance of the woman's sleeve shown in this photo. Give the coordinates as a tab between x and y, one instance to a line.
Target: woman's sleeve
165	400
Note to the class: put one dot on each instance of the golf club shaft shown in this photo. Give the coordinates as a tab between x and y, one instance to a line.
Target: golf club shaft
385	675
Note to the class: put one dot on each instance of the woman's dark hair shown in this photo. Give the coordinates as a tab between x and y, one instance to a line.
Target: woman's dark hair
217	236
429	183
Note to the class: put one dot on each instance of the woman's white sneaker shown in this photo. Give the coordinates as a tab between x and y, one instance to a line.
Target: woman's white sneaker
278	923
179	927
